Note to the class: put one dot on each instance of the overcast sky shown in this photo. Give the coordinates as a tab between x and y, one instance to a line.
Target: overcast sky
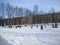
44	5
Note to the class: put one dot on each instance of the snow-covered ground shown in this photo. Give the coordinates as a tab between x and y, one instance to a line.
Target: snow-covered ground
28	36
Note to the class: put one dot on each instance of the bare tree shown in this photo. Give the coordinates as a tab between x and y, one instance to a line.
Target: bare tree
29	13
9	12
3	11
54	17
35	11
20	12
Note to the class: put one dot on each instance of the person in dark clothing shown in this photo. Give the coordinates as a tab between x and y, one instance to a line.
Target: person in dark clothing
37	26
41	27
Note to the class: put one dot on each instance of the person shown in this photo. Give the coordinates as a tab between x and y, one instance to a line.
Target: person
37	26
41	27
31	26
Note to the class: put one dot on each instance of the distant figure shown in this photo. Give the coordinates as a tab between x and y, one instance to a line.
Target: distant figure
41	27
45	25
37	26
31	26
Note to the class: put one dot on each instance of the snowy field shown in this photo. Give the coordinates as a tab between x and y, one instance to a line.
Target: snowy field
28	36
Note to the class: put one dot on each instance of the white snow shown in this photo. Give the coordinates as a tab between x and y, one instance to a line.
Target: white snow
34	36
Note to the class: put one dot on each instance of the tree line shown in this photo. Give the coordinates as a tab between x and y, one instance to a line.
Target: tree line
9	11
